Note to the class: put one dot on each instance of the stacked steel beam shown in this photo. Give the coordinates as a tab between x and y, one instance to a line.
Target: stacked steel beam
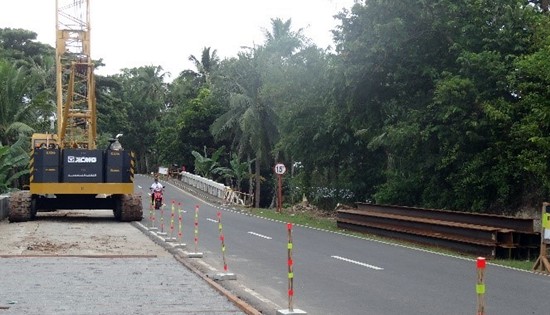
491	236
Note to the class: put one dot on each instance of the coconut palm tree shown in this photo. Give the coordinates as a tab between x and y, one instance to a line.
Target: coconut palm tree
207	65
281	41
17	109
250	121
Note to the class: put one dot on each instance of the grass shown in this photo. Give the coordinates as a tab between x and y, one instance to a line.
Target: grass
320	220
302	218
518	264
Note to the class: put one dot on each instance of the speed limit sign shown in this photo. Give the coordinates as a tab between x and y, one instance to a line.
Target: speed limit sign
280	168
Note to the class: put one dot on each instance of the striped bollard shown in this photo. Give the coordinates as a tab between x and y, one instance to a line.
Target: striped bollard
151	208
290	309
161	232
180	243
480	286
172	217
152	217
196	254
225	275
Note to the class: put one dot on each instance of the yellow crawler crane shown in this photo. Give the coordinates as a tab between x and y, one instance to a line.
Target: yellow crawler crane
67	169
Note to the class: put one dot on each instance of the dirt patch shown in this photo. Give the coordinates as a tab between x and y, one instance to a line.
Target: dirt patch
49	247
311	210
75	233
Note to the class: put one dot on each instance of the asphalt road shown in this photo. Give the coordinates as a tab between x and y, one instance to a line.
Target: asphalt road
338	274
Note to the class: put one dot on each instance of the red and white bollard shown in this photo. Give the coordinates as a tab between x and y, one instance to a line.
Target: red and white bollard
480	285
152	217
180	243
196	253
172	238
291	310
224	275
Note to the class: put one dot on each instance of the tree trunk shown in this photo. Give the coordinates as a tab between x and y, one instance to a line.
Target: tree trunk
257	178
250	179
273	203
146	164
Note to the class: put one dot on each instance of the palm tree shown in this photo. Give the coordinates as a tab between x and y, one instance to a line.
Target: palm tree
16	106
281	41
150	82
207	65
250	120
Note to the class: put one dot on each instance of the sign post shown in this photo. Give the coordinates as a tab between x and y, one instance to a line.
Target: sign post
543	263
280	169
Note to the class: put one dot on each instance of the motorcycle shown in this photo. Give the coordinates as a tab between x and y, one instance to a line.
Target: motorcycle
157	199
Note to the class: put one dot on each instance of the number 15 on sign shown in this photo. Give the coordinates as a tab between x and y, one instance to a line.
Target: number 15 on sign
280	168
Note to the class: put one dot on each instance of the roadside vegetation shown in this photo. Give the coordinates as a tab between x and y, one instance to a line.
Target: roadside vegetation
438	104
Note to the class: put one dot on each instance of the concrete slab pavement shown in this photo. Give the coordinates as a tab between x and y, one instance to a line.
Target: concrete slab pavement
84	262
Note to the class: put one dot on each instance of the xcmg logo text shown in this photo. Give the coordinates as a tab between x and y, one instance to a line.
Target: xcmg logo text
81	159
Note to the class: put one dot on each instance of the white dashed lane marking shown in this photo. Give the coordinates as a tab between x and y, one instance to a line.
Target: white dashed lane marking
260	235
358	263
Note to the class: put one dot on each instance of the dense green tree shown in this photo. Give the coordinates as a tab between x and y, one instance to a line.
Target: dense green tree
422	76
112	111
474	161
21	47
527	122
142	92
192	109
193	123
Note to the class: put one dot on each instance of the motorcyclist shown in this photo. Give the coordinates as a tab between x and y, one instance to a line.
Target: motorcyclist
155	187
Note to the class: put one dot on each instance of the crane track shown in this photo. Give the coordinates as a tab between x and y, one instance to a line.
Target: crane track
132	209
20	206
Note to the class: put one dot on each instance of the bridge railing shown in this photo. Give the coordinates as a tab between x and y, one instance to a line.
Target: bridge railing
206	185
214	188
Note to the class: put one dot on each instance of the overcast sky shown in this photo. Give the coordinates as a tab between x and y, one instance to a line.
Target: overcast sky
133	33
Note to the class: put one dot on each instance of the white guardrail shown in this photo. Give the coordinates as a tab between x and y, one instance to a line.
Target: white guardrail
212	188
207	185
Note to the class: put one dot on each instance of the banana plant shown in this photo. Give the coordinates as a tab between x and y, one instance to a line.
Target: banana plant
13	164
204	165
236	172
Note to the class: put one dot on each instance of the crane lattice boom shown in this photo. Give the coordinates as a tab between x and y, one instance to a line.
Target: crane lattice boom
76	107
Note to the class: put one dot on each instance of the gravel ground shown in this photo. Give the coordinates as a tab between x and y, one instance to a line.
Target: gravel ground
83	262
